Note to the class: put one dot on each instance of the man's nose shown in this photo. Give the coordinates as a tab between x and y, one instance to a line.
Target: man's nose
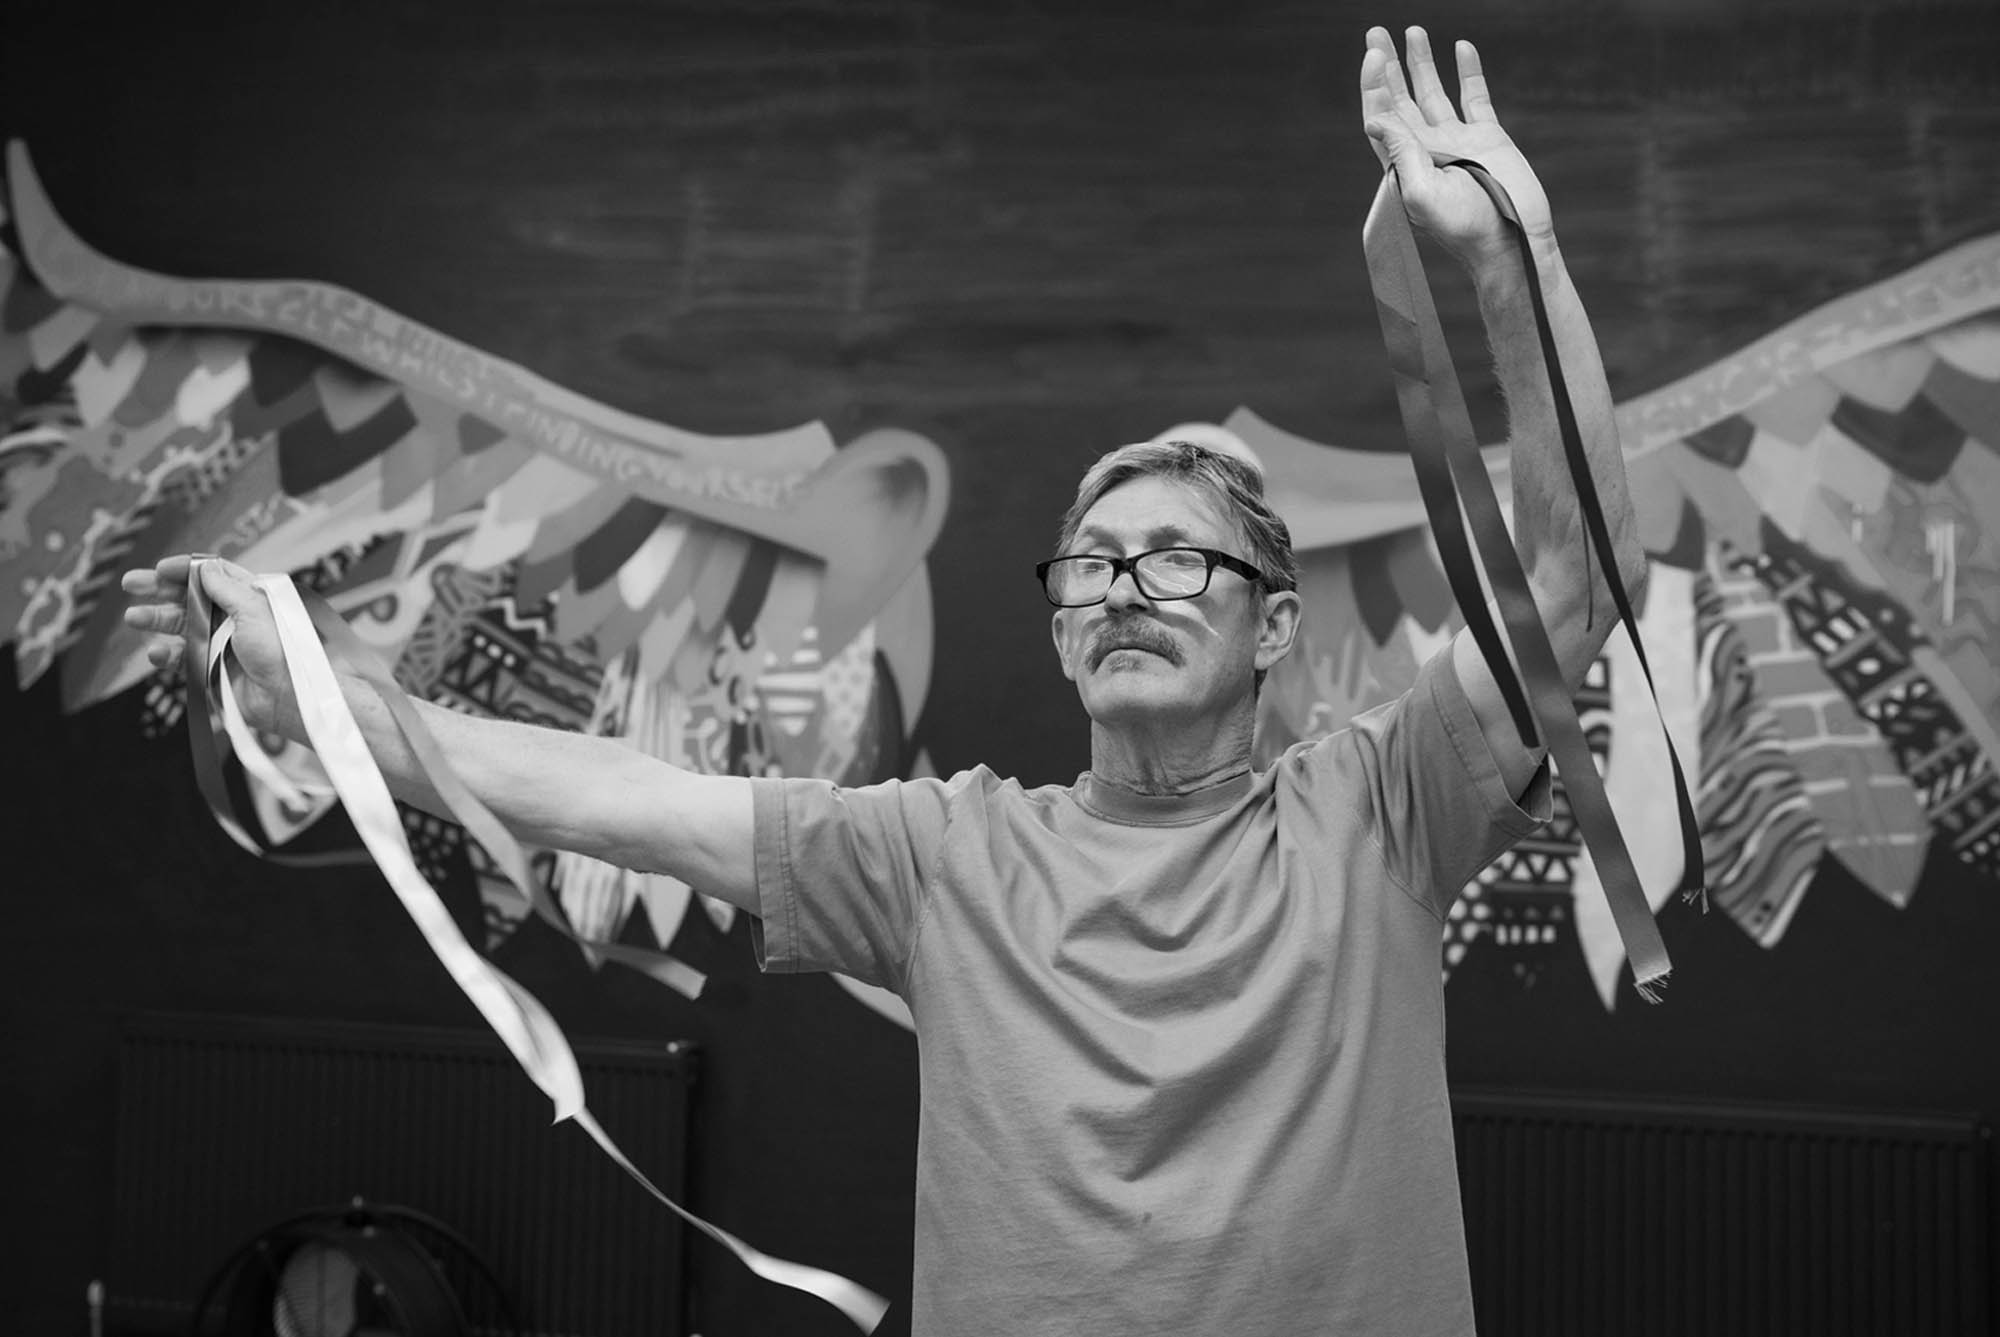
1125	592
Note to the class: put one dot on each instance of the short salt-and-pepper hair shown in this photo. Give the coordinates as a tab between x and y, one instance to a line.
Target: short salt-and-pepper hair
1235	484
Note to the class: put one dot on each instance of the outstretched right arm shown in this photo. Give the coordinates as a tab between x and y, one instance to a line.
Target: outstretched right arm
576	792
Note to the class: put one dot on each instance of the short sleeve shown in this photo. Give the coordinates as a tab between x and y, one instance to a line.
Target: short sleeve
842	873
1440	809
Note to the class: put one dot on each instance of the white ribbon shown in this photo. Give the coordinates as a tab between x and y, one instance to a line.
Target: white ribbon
516	1016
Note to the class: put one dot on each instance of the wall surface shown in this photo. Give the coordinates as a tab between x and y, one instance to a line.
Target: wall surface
1027	232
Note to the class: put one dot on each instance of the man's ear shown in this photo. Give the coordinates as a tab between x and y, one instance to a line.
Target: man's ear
1062	644
1280	628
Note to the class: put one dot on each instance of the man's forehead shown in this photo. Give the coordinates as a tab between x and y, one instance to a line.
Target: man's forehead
1157	510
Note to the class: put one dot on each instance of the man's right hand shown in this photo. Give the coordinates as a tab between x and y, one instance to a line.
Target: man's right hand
261	681
551	788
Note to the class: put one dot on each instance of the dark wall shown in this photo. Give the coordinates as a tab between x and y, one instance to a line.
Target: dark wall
1029	236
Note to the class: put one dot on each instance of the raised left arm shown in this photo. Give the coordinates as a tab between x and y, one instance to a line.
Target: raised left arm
1413	124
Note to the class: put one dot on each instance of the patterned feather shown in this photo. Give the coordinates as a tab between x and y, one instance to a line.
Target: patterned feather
1823	507
1761	836
511	548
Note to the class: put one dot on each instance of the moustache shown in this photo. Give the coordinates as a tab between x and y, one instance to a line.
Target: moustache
1132	636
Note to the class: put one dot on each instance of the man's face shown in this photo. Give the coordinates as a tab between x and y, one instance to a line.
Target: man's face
1134	659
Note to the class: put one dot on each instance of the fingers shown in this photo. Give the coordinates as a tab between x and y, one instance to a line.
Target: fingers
1377	105
158	594
163	589
1425	85
162	614
165	619
1422	99
1385	97
159	598
1389	114
1378	39
166	580
1472	94
1382	86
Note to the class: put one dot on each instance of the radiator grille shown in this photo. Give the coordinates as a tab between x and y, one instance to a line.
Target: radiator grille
226	1126
1592	1216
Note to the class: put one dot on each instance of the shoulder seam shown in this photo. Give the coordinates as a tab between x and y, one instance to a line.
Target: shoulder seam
929	892
1374	834
1374	824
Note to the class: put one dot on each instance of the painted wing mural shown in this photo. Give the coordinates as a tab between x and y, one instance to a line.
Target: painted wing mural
1822	509
742	605
1820	506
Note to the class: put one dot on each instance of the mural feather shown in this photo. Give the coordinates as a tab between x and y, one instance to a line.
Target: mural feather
1830	495
1762	836
515	549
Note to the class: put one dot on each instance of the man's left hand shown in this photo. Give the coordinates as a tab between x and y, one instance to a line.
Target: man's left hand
1413	126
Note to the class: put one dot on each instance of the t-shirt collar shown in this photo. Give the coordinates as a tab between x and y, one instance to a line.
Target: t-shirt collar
1126	805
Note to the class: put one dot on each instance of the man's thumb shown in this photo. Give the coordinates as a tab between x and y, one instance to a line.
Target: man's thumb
226	583
1394	144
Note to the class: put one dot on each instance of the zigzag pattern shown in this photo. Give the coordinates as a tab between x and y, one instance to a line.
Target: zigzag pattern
1760	838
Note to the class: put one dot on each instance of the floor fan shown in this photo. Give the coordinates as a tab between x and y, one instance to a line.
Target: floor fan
360	1270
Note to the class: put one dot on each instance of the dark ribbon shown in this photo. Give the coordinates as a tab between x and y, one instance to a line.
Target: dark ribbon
1450	474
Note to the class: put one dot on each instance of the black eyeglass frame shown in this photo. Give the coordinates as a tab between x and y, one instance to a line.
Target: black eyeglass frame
1120	565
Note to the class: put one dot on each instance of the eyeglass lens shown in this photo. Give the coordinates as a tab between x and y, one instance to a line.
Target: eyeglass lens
1170	573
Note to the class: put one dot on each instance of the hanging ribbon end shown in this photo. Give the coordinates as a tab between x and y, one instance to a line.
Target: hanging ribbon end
867	1310
675	973
1653	987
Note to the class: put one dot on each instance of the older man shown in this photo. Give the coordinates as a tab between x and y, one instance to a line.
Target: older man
1181	1024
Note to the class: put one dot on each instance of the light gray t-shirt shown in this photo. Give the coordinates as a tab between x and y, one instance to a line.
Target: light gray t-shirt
1182	1058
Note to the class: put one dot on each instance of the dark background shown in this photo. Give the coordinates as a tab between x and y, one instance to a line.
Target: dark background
1030	231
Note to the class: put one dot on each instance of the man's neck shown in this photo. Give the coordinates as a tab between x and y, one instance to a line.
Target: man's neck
1170	758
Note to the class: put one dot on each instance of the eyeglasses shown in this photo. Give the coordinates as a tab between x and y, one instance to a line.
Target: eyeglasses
1161	575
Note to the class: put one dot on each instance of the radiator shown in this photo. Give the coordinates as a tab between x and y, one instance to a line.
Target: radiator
226	1126
1597	1217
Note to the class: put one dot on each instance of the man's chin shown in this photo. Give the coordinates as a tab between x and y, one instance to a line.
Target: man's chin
1143	688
